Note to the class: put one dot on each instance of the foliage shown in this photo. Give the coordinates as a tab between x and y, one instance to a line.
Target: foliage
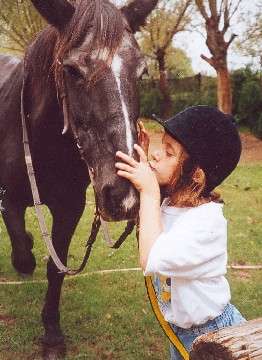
247	98
182	101
109	316
185	92
151	101
250	41
168	19
178	64
19	24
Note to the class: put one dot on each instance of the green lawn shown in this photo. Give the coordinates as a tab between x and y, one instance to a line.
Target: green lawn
109	316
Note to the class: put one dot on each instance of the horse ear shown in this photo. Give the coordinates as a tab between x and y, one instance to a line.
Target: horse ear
137	11
56	12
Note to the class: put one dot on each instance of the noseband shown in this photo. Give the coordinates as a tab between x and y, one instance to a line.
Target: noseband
98	221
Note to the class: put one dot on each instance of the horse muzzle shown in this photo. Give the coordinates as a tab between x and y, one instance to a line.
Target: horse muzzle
117	205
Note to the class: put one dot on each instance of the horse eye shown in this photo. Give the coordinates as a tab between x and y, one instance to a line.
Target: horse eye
72	71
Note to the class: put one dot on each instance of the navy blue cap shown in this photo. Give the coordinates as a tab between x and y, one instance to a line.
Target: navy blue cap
211	139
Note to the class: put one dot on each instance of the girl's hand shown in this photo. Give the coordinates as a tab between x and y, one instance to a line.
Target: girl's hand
143	138
144	179
139	173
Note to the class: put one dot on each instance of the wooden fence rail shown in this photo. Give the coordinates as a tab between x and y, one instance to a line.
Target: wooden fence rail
241	342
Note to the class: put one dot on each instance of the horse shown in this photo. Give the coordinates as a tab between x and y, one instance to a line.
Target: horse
88	56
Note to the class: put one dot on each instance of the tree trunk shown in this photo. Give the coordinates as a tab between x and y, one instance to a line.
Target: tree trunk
224	93
217	22
164	86
241	342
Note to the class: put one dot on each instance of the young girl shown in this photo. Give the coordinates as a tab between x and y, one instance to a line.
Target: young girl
183	242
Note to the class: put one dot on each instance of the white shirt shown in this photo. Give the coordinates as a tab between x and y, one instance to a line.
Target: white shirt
192	252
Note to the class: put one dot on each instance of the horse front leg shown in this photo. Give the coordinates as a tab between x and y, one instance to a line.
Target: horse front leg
22	257
64	225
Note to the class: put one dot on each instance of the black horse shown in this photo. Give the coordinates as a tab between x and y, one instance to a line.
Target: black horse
88	51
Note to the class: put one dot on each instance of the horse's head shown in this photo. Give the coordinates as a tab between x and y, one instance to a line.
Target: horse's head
100	65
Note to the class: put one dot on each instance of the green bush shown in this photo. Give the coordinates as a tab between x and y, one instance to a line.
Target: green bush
250	105
151	101
182	101
184	92
247	99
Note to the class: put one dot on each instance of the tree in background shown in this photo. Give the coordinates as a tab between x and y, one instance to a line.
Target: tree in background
178	64
168	19
251	39
247	98
217	15
19	24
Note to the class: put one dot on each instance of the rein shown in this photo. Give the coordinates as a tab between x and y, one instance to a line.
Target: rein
35	193
97	222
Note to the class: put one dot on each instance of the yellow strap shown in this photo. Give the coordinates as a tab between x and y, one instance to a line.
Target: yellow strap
164	324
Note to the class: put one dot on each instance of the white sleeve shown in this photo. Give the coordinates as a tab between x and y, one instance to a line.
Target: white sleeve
194	248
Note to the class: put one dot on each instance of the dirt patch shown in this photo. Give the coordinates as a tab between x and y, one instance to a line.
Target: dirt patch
252	149
251	153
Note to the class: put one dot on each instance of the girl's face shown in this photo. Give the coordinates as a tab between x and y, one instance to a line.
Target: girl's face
165	160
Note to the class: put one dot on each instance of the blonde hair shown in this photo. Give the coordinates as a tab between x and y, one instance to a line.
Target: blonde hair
188	184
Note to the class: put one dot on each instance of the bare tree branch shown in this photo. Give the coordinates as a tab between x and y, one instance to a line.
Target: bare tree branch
201	8
208	60
213	8
232	37
175	29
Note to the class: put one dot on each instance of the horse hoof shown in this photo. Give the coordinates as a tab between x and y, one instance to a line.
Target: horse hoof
53	338
54	352
22	275
24	267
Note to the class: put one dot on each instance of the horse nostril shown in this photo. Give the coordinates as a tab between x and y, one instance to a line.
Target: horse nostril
118	203
111	197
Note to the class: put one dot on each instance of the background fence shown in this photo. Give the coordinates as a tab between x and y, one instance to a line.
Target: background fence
200	89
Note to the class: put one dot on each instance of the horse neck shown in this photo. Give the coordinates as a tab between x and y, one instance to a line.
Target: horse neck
39	59
41	89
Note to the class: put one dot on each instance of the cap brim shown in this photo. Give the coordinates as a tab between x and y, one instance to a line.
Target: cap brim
160	121
169	131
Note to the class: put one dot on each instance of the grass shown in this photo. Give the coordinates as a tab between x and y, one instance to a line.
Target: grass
152	125
109	316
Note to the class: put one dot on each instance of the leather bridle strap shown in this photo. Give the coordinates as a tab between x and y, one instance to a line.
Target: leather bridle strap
67	123
37	203
36	198
128	229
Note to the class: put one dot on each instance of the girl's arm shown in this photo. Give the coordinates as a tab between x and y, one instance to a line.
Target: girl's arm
144	179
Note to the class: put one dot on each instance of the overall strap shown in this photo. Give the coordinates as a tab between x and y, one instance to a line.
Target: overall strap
164	324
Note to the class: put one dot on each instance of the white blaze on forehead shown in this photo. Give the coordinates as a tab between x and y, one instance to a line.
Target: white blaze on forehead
116	67
13	60
100	54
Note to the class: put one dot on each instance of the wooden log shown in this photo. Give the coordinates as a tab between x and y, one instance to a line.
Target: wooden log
241	342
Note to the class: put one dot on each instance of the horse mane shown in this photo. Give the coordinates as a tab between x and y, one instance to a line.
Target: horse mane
105	22
99	17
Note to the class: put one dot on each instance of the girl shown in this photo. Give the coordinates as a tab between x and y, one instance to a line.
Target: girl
183	242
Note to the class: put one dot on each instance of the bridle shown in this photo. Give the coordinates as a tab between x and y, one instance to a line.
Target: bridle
97	218
98	221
